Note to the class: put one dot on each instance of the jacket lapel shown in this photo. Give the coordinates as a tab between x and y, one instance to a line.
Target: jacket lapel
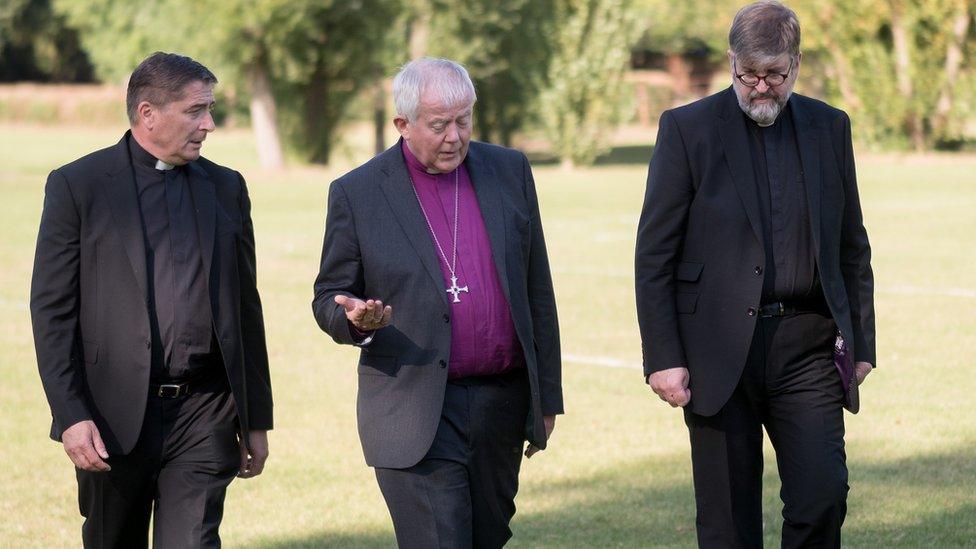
397	187
808	141
119	187
490	202
204	205
734	136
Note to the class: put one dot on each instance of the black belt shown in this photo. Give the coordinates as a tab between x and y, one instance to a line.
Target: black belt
784	308
207	381
170	390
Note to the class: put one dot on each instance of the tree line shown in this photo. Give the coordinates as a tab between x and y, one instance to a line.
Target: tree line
902	68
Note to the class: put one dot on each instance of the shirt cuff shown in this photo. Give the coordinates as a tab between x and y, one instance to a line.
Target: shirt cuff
359	337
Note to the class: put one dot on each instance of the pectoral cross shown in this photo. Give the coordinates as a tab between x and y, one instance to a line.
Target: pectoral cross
455	290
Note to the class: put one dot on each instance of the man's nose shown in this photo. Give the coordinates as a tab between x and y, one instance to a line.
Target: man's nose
762	86
208	124
452	134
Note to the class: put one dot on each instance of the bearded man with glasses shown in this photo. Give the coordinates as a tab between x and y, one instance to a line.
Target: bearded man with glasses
755	293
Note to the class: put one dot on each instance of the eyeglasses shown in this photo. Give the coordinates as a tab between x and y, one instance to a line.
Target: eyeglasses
772	79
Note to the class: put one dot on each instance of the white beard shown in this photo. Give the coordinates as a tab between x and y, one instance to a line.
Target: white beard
763	114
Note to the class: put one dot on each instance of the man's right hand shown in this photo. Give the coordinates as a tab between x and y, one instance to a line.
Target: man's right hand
671	385
84	446
366	316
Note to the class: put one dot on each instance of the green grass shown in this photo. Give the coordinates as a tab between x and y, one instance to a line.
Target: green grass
618	472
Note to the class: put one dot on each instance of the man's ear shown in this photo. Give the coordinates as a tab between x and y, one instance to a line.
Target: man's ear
146	114
402	126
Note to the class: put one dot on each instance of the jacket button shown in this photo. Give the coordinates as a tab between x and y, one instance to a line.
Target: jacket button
446	317
148	343
442	363
758	269
751	311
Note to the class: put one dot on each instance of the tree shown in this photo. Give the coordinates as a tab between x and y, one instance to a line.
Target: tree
504	44
585	90
899	66
36	44
298	62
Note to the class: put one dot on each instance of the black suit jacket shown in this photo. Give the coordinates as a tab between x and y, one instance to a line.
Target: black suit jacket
699	243
377	245
89	298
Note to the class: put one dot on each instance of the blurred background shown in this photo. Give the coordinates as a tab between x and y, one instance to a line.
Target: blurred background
304	95
556	76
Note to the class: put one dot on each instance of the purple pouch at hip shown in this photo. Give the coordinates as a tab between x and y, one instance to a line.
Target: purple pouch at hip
844	363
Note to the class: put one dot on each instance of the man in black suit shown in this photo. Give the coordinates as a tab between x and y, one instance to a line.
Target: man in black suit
446	232
147	321
751	256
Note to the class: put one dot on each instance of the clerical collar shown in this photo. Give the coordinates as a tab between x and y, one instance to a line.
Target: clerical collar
776	123
415	165
141	157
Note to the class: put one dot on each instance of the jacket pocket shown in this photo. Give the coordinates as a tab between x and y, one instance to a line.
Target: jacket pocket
688	271
377	365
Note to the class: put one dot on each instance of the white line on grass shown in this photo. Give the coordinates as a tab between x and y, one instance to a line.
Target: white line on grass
15	305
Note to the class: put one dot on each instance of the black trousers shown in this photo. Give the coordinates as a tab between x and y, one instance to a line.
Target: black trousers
789	386
462	493
186	456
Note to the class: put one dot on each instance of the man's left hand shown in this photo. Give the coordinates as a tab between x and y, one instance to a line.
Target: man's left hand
861	371
253	454
550	423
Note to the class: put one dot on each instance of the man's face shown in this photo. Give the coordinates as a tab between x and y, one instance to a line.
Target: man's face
180	127
440	134
763	103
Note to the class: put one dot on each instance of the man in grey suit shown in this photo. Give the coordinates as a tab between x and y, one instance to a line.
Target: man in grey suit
434	264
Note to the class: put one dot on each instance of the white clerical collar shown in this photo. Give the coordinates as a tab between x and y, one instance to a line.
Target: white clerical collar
163	166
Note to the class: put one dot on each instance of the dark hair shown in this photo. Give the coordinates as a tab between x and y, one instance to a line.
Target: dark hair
160	80
764	29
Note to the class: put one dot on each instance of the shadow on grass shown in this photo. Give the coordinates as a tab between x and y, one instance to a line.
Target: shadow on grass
628	154
367	540
622	155
650	503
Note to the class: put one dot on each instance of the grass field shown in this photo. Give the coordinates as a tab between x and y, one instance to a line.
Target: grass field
617	473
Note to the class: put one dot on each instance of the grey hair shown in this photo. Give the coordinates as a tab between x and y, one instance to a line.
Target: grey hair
763	31
436	79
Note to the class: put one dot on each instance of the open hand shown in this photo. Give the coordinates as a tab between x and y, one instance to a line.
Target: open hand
366	315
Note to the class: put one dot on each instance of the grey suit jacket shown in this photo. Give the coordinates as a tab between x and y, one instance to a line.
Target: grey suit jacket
377	245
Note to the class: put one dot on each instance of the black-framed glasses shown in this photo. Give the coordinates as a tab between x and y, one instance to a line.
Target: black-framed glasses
772	79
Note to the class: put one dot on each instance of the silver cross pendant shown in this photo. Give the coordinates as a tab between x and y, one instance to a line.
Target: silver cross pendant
455	290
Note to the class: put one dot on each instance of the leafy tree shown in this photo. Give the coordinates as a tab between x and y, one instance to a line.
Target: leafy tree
504	44
585	90
899	66
298	62
36	44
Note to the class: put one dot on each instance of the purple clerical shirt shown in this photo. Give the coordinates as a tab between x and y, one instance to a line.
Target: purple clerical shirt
483	339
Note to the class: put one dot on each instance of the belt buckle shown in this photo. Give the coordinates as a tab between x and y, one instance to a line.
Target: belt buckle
169	391
782	309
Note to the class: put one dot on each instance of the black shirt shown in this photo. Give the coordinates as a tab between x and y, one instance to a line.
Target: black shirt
180	319
791	269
